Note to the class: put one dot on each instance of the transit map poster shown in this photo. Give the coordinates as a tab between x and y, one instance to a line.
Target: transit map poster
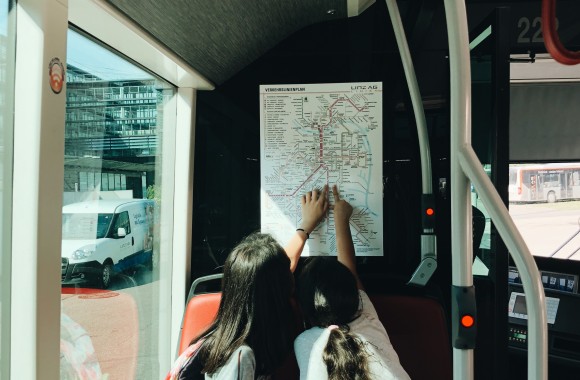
317	134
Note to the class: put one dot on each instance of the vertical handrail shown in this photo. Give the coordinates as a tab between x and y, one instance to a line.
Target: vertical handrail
529	273
460	132
426	176
465	166
428	262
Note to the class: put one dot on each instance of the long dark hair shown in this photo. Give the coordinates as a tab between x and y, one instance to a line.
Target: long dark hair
328	295
255	307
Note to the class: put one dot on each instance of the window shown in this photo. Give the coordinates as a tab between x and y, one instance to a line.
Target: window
7	40
112	284
544	204
513	177
122	221
84	226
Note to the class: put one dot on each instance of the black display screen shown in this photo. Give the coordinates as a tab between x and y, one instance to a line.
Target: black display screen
520	305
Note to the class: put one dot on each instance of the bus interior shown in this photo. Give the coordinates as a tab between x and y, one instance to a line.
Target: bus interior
523	111
363	49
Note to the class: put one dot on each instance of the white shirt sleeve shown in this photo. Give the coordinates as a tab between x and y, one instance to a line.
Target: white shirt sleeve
383	360
241	365
366	306
308	348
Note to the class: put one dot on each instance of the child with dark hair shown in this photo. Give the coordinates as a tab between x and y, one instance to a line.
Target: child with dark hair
346	339
251	335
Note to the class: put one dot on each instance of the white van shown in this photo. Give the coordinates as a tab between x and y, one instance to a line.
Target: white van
105	236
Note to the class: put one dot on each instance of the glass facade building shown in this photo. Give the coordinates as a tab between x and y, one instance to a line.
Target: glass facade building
111	132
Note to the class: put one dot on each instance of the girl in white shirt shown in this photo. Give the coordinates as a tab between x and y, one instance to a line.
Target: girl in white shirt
346	339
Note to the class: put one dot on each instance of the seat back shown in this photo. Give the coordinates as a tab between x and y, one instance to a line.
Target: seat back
200	312
418	331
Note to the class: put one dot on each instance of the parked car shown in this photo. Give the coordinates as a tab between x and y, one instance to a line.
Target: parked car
102	237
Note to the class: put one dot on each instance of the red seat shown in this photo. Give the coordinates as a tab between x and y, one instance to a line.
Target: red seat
199	313
418	331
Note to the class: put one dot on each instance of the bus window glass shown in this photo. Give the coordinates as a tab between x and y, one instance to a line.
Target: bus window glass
7	40
545	205
482	143
85	226
118	123
513	176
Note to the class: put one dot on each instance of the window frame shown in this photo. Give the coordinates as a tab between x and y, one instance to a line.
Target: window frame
39	121
6	193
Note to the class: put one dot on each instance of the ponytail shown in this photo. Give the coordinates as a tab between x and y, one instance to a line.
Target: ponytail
345	355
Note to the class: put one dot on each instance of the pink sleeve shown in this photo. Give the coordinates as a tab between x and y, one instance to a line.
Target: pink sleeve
182	360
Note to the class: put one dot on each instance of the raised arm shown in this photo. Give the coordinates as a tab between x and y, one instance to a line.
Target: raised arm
314	207
344	244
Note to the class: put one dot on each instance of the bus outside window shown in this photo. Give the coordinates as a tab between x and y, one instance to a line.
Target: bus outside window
544	182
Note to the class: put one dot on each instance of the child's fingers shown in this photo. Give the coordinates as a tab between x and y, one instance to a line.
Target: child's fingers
325	194
335	193
316	196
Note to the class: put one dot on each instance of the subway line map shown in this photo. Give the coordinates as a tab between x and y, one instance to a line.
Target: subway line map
317	134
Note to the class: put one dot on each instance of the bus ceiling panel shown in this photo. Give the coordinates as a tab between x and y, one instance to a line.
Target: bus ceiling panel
219	38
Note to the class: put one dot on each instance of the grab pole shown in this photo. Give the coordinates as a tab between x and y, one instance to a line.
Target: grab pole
460	131
428	262
529	273
465	166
